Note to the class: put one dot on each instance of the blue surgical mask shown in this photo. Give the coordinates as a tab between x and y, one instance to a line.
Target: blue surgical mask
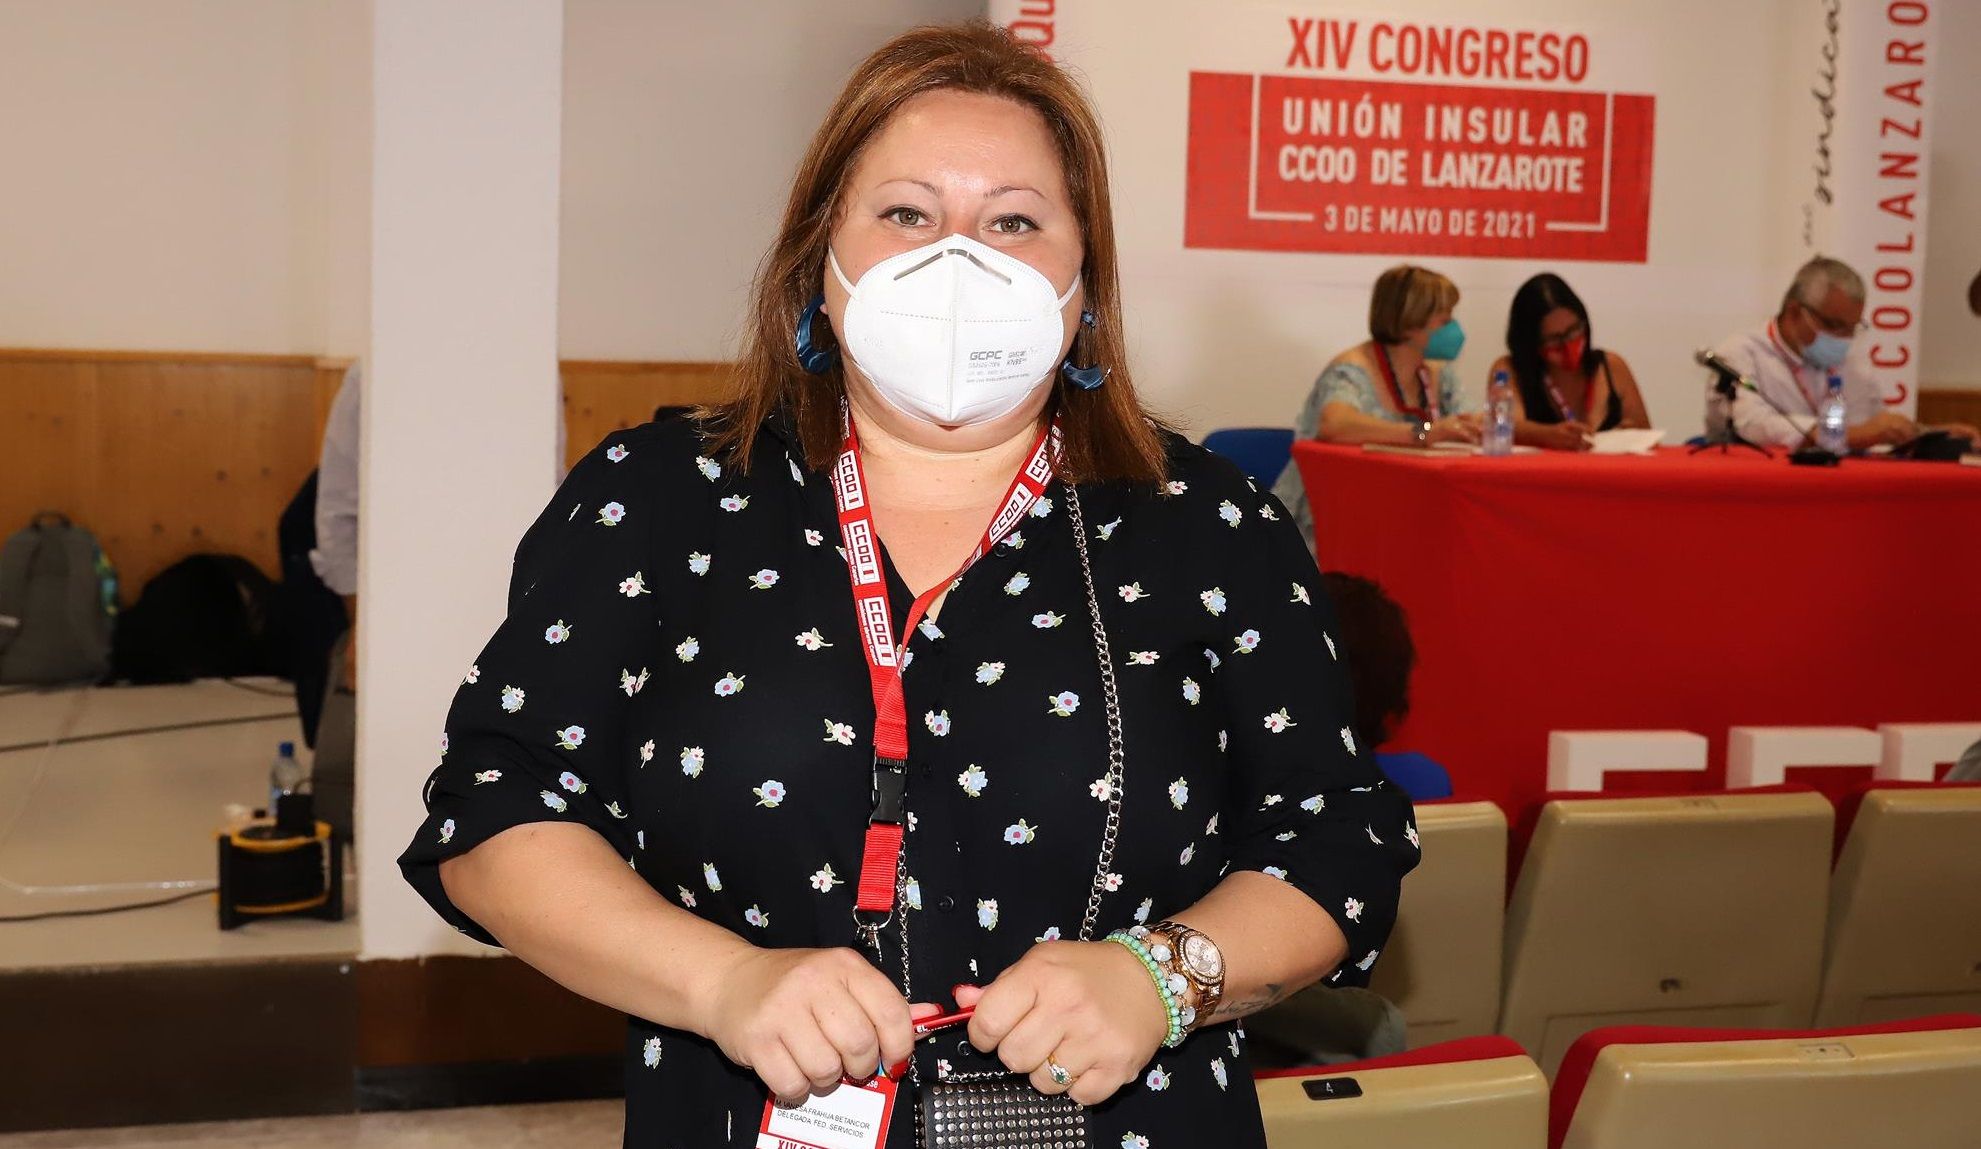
1446	342
1826	351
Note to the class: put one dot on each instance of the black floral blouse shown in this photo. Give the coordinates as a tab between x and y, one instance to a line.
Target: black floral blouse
679	671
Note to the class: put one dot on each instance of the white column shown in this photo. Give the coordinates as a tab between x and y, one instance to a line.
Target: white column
460	408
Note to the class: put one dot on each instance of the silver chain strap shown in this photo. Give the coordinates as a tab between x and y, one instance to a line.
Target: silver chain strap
1116	761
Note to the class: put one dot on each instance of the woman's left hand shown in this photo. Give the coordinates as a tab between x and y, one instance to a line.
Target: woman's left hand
1089	1007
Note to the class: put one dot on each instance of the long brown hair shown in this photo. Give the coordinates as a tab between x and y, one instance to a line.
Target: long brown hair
1108	435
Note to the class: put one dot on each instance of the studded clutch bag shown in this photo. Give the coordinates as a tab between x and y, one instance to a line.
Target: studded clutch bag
1000	1111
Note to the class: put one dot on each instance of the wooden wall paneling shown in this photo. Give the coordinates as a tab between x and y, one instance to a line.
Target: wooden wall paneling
1950	406
48	437
602	396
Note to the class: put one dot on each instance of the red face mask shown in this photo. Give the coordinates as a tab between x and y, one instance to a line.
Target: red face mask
1566	356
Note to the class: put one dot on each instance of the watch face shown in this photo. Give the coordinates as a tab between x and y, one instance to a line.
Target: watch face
1202	956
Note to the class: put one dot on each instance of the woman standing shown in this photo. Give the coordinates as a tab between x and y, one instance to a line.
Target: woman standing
922	672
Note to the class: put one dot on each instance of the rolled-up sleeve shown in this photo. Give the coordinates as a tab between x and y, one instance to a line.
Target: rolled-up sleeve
1307	805
537	729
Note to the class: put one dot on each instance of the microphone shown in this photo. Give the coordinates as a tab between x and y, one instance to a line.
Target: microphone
1705	357
1804	451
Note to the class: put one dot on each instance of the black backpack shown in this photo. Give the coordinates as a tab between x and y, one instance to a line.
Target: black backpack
205	616
58	604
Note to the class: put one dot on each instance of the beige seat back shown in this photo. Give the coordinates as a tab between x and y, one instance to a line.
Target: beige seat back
1916	1090
1442	964
1497	1104
1905	910
1702	910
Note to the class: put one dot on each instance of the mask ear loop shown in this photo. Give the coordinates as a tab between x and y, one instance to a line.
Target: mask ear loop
814	357
1086	377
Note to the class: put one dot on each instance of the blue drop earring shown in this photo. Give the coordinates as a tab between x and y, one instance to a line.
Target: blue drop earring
1090	377
813	358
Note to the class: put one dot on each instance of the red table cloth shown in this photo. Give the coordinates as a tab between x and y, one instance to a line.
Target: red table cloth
1671	591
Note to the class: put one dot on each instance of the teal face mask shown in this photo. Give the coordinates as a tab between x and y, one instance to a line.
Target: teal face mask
1446	342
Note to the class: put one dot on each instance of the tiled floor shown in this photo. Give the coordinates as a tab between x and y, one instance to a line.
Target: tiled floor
570	1125
88	821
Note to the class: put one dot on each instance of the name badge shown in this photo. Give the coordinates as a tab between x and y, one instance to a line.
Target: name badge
853	1116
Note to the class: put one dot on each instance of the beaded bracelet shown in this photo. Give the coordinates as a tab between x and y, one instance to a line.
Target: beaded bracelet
1170	1004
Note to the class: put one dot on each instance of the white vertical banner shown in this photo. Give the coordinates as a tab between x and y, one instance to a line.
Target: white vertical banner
1864	125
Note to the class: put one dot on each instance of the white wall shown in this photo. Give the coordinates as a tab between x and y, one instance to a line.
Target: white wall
1951	352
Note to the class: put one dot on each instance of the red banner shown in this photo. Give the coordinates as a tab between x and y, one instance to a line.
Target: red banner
1296	163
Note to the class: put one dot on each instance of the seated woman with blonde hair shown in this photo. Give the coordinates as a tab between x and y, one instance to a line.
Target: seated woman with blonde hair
1397	388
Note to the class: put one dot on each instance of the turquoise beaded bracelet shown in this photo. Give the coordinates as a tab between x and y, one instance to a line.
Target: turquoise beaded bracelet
1170	1004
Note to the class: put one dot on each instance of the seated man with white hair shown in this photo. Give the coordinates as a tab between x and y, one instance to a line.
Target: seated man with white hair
1791	358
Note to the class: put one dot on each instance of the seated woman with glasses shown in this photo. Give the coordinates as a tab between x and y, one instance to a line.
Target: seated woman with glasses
1565	388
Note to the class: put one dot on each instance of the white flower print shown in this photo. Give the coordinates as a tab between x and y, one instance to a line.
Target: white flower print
1179	793
1353	910
1211	657
512	699
1223	740
1051	935
1348	739
572	782
1142	911
929	629
824	879
1214	600
937	722
1300	595
1041	507
630	684
1189	852
734	503
1229	512
1015	540
485	776
1177	486
712	879
571	737
1329	639
640	836
693	758
770	794
1267	513
1279	720
1246	642
1410	832
1017	583
813	538
1366	962
1371	831
1106	530
907	659
973	781
646	752
1020	833
1142	657
1131	592
650	1052
1273	800
634	586
1192	693
1101	788
1046	620
839	732
987	913
757	918
1157	1079
473	676
911	892
557	632
942	1068
554	801
688	648
1131	1139
617	453
1218	1071
611	514
687	896
763	579
710	469
1273	872
697	563
613	809
728	684
989	672
797	476
1064	703
1210	827
1112	882
447	831
1314	804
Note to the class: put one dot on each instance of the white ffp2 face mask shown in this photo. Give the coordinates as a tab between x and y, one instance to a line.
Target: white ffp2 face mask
954	332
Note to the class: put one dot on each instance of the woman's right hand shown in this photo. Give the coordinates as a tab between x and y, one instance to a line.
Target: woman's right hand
1566	436
803	1018
1456	429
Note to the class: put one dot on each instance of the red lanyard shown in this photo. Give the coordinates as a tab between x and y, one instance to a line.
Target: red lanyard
876	622
1795	369
1428	412
1562	404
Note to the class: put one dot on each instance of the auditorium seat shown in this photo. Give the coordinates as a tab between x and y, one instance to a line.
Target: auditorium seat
1910	1084
1260	452
1683	909
1482	1093
1905	905
1442	964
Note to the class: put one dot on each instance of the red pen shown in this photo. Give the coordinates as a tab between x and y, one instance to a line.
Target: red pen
929	1025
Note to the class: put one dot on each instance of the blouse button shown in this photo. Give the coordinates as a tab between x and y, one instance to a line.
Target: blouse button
945	903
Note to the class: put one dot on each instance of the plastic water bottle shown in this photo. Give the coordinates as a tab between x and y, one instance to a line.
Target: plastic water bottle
285	777
1833	427
1498	438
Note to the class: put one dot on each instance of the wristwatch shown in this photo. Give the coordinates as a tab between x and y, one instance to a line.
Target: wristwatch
1193	967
